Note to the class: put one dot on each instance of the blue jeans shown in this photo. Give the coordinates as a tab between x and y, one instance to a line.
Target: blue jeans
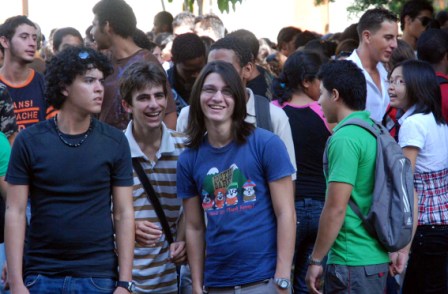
308	213
68	285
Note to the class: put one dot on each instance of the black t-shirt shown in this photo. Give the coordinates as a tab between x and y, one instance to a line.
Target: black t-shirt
71	230
309	134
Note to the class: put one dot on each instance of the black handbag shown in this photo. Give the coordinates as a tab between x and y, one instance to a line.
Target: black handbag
152	197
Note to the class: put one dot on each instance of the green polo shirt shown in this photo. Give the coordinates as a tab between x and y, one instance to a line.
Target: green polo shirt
351	160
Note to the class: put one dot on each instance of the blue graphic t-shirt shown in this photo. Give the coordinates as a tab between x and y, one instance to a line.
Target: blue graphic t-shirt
241	235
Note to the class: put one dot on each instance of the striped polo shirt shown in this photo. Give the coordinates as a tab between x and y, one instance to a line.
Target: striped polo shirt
152	271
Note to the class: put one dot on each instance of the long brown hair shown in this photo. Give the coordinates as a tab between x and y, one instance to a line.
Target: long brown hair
196	122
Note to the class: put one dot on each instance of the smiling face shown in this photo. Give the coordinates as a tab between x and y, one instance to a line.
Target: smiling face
148	107
397	90
85	94
382	42
217	102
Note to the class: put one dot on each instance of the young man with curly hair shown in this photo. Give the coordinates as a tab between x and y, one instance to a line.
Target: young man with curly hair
69	166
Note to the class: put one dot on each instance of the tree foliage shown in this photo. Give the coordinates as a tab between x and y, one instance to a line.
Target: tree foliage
223	5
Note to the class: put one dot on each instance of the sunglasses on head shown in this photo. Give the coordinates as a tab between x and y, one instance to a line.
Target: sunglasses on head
425	20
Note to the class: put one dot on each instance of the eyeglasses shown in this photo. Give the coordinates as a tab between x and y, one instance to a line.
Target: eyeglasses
397	82
425	20
211	91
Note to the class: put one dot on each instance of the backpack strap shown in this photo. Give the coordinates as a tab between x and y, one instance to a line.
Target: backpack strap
263	113
375	131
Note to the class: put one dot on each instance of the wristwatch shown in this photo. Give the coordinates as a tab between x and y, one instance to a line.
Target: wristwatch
282	283
312	261
130	286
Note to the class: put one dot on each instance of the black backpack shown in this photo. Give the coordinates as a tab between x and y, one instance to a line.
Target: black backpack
391	215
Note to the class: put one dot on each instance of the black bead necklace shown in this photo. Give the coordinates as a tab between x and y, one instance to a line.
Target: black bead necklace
74	145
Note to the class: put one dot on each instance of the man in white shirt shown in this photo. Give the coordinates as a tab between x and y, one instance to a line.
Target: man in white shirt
378	32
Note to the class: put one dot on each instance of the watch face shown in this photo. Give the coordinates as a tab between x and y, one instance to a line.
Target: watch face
283	284
132	286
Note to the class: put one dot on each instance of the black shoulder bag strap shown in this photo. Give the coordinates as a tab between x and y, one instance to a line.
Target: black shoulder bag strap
263	113
153	199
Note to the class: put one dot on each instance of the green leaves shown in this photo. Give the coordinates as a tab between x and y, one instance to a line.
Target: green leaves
223	5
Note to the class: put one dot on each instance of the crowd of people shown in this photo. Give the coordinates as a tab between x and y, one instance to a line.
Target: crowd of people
189	159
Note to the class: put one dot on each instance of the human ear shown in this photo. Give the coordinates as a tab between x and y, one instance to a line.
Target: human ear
126	106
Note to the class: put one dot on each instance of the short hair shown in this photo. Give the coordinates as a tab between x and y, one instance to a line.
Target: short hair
185	18
432	45
8	28
141	40
413	8
249	38
422	88
372	20
403	52
350	32
346	46
303	38
119	14
325	48
196	120
140	75
59	34
299	67
213	22
286	35
186	47
65	66
239	47
164	18
347	78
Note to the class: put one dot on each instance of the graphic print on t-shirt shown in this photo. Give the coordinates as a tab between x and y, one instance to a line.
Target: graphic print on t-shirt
228	191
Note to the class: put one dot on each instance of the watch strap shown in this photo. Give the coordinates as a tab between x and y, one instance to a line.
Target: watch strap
126	284
312	261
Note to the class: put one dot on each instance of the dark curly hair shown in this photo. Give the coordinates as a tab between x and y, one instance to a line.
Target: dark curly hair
63	68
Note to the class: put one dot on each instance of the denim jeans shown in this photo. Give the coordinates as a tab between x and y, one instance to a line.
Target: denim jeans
308	213
68	285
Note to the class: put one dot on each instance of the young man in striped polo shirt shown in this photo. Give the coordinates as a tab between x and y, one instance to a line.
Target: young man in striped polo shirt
144	92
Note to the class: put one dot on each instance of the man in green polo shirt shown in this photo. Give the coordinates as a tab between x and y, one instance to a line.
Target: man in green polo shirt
357	263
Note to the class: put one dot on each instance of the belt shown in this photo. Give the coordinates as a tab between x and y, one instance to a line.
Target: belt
206	289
